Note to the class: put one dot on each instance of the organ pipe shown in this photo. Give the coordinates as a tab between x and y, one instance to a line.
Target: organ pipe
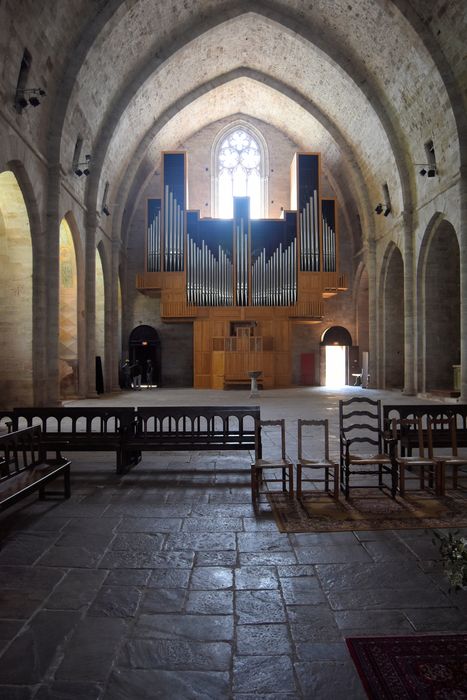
173	233
154	244
309	235
274	279
209	275
329	247
241	258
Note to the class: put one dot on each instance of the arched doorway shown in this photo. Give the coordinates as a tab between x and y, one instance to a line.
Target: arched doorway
441	313
393	320
144	345
335	343
16	274
68	314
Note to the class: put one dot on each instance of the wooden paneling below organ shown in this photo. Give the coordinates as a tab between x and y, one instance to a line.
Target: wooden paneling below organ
243	282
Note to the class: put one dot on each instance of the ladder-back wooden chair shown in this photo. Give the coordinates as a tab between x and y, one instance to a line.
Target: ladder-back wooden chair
260	482
420	468
316	471
360	423
449	463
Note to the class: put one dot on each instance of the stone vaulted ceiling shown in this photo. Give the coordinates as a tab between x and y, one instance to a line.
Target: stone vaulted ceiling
346	78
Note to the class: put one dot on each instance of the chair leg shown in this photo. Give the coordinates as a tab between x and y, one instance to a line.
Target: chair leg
402	479
291	482
299	481
393	481
284	482
346	473
254	484
336	482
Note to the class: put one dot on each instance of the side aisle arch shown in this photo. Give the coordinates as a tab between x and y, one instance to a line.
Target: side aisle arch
392	321
438	282
16	293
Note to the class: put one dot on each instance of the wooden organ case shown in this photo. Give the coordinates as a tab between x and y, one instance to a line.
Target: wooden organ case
243	282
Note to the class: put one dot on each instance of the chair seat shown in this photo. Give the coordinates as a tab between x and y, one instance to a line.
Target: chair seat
449	459
271	463
370	459
416	461
318	463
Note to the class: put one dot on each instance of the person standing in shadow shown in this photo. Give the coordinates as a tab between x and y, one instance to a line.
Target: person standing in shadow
137	376
126	375
149	374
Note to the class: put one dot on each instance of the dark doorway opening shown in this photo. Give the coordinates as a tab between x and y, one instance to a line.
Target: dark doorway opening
144	345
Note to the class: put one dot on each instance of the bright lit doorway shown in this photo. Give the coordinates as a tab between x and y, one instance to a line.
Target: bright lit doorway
335	365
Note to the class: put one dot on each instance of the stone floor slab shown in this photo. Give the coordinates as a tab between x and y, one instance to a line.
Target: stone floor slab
183	685
176	654
260	674
263	640
202	628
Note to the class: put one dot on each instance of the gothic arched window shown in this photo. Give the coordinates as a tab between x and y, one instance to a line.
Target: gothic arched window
240	169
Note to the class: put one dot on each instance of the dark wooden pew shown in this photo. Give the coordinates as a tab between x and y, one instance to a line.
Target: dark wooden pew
409	436
24	467
82	429
178	428
129	431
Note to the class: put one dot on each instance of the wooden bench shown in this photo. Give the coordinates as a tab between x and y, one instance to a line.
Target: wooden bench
409	438
178	428
82	429
24	467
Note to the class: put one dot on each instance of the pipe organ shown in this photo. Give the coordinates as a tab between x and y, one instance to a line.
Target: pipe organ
255	274
209	268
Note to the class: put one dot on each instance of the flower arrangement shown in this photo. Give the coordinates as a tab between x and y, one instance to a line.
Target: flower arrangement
453	550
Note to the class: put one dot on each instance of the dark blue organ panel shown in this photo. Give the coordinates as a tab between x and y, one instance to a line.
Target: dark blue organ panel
214	232
308	211
174	206
308	177
174	176
154	235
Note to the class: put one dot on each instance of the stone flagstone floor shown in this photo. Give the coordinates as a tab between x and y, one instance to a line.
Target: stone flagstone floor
164	583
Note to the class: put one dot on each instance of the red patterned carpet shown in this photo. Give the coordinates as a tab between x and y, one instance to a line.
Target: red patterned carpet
367	510
432	667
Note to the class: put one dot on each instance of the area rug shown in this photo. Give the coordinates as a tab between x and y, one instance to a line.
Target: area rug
368	511
431	667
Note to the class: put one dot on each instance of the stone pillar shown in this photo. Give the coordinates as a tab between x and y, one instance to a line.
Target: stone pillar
114	341
374	359
90	304
410	295
463	280
52	266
